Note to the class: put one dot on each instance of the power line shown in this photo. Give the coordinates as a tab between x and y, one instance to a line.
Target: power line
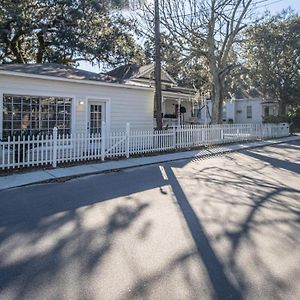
228	10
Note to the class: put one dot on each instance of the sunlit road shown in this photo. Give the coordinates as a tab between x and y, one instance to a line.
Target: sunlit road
226	227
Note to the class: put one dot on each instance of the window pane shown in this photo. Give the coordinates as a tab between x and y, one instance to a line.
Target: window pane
17	99
16	107
249	112
26	100
7	116
17	125
16	116
7	105
6	125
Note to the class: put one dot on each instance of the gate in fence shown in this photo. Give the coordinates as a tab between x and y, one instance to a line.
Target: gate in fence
30	151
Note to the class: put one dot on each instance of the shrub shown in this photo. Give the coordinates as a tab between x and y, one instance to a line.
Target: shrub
294	115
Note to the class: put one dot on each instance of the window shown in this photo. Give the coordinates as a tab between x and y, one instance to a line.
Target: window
224	113
32	115
249	112
267	111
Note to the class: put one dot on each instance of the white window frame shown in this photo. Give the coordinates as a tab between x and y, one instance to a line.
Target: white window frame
24	92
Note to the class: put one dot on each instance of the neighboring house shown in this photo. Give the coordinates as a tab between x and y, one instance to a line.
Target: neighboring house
37	97
240	111
178	103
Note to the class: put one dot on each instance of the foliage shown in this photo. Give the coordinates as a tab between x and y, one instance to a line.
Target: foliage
277	119
65	31
294	116
188	72
273	58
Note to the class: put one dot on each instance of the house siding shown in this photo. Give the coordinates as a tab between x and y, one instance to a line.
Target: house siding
122	104
236	110
241	111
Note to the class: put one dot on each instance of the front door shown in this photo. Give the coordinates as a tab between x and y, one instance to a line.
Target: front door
96	116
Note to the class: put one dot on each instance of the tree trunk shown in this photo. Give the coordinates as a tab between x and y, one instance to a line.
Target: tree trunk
217	101
157	73
41	48
15	49
282	103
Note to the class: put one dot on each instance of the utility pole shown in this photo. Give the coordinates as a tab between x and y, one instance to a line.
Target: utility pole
157	72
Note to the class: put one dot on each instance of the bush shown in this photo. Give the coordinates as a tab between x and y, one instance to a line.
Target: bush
294	115
293	118
277	119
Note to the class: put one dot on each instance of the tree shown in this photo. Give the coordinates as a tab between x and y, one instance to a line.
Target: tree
66	32
207	31
157	73
273	58
188	72
157	54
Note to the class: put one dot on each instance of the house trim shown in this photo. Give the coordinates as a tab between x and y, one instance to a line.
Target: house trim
101	100
152	69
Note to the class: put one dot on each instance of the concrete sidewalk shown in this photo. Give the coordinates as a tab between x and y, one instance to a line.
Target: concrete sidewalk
17	180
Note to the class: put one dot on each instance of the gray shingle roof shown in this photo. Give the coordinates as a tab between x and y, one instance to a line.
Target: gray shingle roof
128	71
57	70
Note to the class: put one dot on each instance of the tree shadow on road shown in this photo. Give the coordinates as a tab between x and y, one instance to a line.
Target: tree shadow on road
223	287
54	217
275	162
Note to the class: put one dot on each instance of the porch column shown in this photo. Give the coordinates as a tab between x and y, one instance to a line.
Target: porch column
178	110
163	105
205	111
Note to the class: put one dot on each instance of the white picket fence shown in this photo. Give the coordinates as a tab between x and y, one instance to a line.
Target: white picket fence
30	151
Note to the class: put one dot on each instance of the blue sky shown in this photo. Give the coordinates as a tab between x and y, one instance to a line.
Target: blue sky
278	6
274	6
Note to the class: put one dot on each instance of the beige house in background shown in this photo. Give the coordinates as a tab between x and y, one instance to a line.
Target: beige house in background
240	111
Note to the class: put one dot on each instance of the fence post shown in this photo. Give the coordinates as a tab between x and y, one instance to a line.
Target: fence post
103	140
174	137
54	156
127	139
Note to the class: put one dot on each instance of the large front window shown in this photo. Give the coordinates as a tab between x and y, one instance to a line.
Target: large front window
34	115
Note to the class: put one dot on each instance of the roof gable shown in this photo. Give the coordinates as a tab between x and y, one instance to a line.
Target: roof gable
136	72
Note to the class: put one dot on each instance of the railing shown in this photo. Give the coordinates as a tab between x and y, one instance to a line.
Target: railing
171	122
20	152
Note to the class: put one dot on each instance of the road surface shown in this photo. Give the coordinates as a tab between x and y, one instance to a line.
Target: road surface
226	227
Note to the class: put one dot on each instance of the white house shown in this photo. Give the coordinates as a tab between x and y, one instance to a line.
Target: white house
240	111
38	97
178	102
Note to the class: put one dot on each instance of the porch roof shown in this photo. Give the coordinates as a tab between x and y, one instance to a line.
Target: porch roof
177	95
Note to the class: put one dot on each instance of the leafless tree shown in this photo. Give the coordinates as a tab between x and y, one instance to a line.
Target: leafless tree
210	29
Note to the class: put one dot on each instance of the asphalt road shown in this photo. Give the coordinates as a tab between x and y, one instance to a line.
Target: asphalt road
226	227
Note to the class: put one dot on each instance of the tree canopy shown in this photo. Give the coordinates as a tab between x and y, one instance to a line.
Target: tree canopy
66	31
273	58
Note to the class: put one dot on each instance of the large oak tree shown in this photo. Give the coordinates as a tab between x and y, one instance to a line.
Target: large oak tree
65	31
273	58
